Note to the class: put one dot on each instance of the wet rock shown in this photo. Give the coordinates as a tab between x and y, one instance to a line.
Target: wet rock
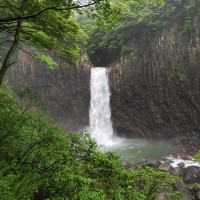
191	174
153	163
166	167
179	139
186	157
181	165
131	165
177	171
127	165
183	190
195	191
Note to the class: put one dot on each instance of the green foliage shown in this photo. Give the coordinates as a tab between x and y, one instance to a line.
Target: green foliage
6	88
48	25
197	156
137	18
171	76
46	59
52	30
38	160
127	51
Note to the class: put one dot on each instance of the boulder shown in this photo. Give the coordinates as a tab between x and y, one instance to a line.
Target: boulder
179	139
177	171
180	187
166	167
153	163
130	165
191	174
195	191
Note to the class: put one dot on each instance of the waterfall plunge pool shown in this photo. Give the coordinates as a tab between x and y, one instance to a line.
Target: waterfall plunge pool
101	126
141	149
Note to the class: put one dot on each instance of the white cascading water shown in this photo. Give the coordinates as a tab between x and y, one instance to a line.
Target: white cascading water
100	123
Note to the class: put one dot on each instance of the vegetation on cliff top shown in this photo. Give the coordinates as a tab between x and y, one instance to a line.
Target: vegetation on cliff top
113	39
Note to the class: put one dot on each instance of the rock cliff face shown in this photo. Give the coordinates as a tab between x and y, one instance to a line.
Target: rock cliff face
156	88
65	89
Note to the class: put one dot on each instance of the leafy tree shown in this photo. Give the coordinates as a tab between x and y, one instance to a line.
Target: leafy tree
49	25
39	161
43	24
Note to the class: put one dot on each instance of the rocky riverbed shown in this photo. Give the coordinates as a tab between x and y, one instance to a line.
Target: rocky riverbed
181	164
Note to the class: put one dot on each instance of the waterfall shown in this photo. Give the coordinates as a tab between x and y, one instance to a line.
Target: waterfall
100	123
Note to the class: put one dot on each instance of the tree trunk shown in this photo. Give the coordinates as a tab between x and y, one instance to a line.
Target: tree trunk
7	61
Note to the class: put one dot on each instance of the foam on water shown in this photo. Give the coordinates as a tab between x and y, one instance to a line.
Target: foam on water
176	161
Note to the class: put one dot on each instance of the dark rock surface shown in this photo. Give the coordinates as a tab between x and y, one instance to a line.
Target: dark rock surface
191	174
166	167
180	187
66	89
153	163
155	90
195	191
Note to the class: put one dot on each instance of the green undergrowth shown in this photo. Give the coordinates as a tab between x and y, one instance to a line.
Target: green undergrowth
197	156
38	160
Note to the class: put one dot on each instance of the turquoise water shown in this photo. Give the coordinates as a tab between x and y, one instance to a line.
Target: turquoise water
141	149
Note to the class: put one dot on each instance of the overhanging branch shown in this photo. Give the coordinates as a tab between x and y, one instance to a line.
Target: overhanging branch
56	8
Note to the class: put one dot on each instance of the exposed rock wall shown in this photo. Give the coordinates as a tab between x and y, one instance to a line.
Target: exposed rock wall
65	89
156	88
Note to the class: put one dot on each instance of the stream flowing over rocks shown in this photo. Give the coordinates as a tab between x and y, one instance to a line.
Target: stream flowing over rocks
187	170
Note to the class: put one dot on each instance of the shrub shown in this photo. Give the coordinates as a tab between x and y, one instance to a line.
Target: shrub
39	160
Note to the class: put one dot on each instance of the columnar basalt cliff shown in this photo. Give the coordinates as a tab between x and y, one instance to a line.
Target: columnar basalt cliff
64	89
156	88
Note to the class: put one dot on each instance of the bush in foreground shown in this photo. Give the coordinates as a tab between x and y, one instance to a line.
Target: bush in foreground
39	160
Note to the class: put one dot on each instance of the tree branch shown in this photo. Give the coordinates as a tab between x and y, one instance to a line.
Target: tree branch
7	60
4	6
55	8
5	41
28	53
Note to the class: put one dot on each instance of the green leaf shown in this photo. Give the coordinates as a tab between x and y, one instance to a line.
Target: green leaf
47	60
